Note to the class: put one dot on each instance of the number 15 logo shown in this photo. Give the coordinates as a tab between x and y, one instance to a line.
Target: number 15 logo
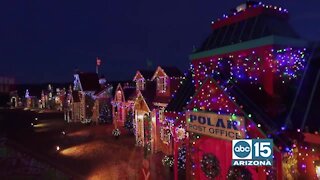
263	148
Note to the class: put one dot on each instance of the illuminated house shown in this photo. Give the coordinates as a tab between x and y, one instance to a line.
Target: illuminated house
30	102
59	99
67	104
87	94
244	74
167	81
41	96
144	121
47	99
145	93
122	103
154	91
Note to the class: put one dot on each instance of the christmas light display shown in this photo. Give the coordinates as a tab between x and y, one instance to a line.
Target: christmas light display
182	158
214	76
147	133
213	98
252	66
220	102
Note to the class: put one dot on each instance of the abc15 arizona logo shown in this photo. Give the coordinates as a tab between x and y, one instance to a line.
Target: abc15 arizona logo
252	152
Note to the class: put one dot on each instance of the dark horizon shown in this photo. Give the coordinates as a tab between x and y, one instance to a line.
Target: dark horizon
45	41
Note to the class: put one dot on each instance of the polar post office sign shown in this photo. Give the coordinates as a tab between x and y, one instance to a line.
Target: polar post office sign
220	126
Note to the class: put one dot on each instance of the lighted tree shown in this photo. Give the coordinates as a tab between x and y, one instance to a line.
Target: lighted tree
105	114
129	122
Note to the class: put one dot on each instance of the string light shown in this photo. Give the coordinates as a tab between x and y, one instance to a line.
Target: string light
258	5
251	66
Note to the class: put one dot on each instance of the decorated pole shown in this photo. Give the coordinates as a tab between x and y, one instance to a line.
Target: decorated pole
175	154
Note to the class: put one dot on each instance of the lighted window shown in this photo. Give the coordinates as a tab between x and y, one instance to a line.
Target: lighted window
161	84
140	84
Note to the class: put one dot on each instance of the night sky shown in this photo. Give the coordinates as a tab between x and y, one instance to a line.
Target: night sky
45	40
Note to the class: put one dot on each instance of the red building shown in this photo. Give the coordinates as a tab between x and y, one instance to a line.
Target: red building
245	74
